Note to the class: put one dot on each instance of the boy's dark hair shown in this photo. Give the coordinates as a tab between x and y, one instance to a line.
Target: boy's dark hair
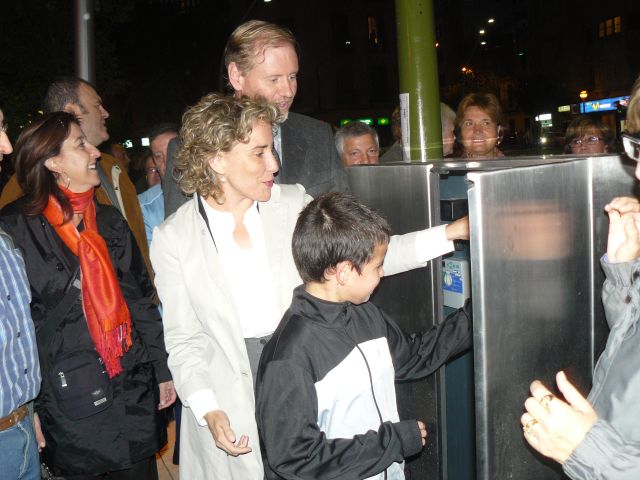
335	227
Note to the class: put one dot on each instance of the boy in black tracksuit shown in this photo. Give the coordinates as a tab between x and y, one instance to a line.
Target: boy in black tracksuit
326	405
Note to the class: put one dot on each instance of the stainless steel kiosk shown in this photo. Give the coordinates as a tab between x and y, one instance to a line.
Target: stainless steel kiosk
538	230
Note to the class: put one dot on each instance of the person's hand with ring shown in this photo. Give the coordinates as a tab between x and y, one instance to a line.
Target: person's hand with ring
555	427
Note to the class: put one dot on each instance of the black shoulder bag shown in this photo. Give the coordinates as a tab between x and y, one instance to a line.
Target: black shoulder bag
78	378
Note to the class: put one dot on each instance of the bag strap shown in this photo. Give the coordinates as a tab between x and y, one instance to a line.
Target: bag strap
59	312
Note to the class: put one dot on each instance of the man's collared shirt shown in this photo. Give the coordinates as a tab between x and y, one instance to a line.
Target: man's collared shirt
19	365
277	140
152	206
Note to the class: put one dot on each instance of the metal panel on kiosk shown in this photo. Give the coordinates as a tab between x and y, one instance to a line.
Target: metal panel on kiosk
537	232
537	235
403	193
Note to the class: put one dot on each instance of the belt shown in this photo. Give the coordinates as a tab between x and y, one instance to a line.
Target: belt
13	418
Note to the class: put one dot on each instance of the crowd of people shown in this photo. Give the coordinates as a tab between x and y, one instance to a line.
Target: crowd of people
224	283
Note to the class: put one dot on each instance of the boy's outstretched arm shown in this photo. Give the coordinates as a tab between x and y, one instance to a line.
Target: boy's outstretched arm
418	355
296	448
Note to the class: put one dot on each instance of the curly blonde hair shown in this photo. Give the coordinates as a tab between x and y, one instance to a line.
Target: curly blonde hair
215	124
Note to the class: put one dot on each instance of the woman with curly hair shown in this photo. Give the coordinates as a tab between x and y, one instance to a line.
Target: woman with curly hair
225	275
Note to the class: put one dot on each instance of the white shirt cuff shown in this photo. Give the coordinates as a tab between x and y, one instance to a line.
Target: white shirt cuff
432	243
201	403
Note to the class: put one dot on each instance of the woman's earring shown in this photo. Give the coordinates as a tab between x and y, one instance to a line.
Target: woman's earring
223	178
68	180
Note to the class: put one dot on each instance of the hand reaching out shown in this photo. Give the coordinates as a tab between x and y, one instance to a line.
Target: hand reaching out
225	438
458	230
553	427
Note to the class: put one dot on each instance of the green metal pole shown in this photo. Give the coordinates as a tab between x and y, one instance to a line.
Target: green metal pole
419	89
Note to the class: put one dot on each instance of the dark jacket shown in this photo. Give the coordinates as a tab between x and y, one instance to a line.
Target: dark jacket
309	156
131	429
316	408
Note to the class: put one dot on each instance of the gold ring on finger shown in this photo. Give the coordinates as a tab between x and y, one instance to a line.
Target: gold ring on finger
529	425
546	401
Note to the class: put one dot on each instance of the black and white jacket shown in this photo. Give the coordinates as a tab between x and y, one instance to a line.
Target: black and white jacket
326	404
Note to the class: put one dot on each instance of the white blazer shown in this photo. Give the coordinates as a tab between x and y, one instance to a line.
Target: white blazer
202	331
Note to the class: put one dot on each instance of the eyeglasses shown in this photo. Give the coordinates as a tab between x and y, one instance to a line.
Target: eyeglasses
588	140
152	171
631	146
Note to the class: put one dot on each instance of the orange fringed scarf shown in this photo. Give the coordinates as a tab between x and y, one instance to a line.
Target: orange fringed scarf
104	306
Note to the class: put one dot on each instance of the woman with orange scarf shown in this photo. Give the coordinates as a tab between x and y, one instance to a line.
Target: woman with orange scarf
99	335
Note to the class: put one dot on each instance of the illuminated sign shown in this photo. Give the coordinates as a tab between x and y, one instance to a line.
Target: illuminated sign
543	117
145	141
368	121
603	105
564	108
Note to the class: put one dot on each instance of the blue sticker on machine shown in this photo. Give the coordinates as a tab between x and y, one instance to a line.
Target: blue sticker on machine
452	281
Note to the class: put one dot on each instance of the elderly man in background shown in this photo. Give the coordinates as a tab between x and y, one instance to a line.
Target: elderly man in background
357	144
20	372
152	200
262	62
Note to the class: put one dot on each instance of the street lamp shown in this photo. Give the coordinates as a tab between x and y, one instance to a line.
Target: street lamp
491	20
584	94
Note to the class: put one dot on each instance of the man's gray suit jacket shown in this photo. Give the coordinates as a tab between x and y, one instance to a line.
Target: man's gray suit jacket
309	157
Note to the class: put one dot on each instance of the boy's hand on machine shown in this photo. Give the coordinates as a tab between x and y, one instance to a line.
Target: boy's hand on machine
458	230
423	432
225	438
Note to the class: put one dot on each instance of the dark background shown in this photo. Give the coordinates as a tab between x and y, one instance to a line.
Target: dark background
155	57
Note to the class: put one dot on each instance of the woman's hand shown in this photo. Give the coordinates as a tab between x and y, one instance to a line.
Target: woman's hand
37	429
623	243
458	230
225	438
623	205
553	427
167	394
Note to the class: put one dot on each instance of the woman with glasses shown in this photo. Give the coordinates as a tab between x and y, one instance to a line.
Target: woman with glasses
479	127
588	135
598	437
